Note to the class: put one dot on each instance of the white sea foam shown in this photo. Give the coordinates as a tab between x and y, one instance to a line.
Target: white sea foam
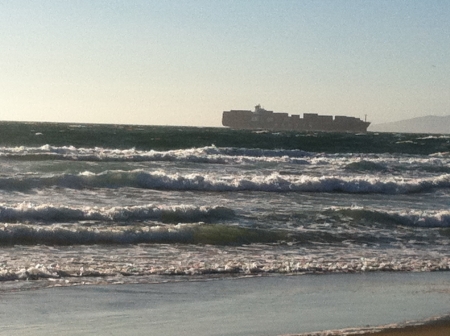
78	262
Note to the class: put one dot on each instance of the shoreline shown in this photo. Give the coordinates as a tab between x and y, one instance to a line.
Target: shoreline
440	327
435	326
345	304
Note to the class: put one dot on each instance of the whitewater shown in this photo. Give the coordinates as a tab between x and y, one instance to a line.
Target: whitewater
96	204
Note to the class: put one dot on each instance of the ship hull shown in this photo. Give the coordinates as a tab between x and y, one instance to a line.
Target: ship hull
269	120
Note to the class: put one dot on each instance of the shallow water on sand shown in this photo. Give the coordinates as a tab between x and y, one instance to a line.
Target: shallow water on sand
271	305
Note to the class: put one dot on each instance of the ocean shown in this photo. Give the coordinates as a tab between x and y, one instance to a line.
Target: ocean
102	204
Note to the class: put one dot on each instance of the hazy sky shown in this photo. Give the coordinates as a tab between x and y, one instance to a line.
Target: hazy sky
184	62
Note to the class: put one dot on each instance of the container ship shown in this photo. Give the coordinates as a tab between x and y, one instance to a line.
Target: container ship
261	119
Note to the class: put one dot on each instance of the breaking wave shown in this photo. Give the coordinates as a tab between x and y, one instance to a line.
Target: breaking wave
412	218
274	182
166	214
231	155
208	154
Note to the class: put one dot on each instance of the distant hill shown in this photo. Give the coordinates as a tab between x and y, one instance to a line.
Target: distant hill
428	124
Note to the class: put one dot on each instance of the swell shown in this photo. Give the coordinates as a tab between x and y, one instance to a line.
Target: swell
212	234
392	165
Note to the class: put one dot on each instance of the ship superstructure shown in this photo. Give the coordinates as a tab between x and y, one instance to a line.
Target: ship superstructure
280	121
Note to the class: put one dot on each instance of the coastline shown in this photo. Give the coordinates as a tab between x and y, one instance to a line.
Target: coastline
270	305
436	326
440	327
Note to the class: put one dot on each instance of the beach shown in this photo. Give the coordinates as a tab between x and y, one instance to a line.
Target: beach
439	327
269	305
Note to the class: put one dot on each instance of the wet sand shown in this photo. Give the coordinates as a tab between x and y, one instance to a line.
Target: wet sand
247	306
419	331
438	328
435	327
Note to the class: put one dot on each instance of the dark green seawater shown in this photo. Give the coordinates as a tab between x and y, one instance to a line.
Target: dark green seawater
83	203
172	137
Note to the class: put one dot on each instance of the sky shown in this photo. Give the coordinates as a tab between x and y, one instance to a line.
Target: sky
184	62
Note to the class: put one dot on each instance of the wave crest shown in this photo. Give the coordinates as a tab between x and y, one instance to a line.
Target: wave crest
208	154
407	218
274	182
213	234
